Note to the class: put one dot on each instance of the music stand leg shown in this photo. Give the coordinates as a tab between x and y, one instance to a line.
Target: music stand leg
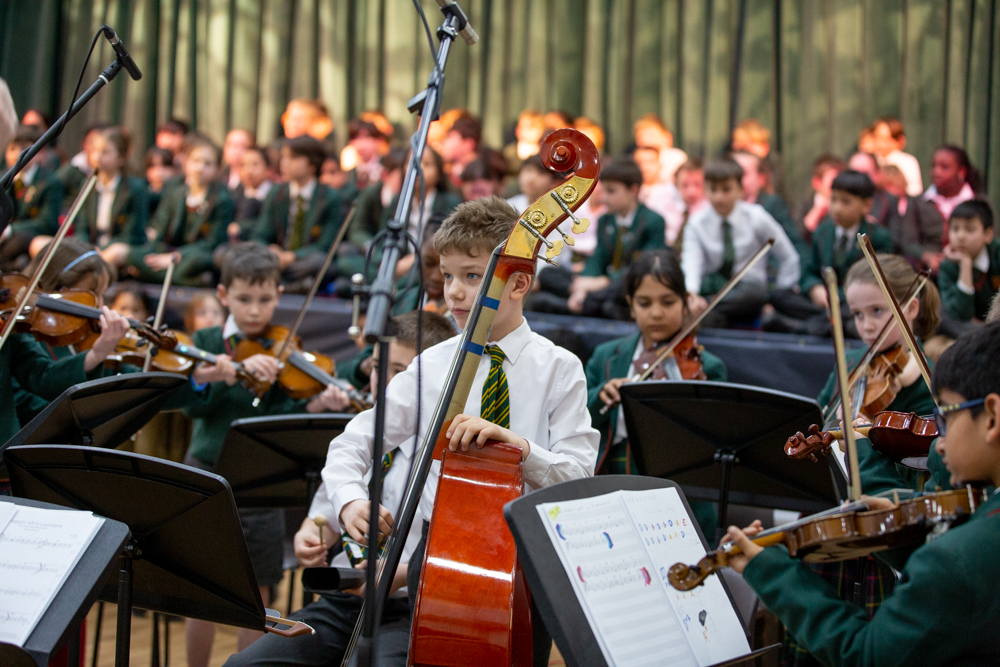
97	633
727	458
123	637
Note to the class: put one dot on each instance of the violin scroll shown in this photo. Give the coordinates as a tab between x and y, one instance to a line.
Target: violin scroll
685	577
802	446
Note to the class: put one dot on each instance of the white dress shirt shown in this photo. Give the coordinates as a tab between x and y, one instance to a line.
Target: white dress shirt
910	167
548	408
105	202
752	226
981	262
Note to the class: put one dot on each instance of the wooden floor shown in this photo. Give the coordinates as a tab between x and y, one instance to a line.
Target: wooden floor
225	636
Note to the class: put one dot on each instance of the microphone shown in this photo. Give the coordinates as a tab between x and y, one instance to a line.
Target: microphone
468	34
123	57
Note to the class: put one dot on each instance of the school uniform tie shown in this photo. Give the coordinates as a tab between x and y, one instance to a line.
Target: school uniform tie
298	224
496	398
728	251
357	552
18	188
840	252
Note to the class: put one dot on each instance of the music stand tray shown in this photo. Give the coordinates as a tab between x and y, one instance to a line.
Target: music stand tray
551	591
187	555
61	621
725	442
100	413
276	461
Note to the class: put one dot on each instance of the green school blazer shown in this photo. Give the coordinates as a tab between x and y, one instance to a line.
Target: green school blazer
324	215
821	252
37	210
129	214
647	233
961	305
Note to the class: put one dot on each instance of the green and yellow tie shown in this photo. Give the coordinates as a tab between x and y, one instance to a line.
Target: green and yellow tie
357	552
496	397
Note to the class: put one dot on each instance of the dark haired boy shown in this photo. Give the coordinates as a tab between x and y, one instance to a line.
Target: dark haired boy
970	274
930	619
461	146
37	201
720	239
250	290
813	209
301	217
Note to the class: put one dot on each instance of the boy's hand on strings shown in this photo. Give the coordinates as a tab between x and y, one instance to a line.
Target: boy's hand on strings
308	549
331	399
113	328
609	392
222	370
741	538
465	430
263	367
819	296
354	518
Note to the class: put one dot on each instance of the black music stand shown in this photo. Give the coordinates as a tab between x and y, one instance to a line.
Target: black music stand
725	442
551	590
276	461
187	555
61	622
100	413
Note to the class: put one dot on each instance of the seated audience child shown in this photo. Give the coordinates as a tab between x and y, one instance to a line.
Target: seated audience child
528	133
306	117
250	193
114	216
74	173
335	616
812	210
366	141
533	181
835	244
721	238
189	224
171	136
238	140
250	290
432	299
160	175
300	218
370	214
460	147
129	300
970	274
690	180
37	196
482	177
929	619
754	182
657	301
657	194
650	132
954	180
889	142
552	429
203	311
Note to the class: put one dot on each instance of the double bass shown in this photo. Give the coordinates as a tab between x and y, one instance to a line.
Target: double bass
473	606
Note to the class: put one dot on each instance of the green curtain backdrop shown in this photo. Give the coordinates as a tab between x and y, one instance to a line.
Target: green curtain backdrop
813	71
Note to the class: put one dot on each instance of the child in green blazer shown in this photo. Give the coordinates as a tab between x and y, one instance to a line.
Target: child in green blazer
945	610
37	195
189	223
970	273
654	290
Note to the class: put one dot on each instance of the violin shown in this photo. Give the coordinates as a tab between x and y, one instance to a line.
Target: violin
684	362
846	532
132	350
881	384
897	435
302	374
63	318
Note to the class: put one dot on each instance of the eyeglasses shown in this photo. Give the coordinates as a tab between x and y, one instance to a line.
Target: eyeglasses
939	413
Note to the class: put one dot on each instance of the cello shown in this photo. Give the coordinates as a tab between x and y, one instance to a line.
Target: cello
472	605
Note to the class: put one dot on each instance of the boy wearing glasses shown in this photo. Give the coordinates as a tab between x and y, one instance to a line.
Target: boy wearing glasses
945	609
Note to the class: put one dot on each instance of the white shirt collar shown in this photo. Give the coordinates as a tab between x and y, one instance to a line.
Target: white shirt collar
513	343
110	187
850	232
626	220
80	162
260	192
307	190
982	260
231	328
195	201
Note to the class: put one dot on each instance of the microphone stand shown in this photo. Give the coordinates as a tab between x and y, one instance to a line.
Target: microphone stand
427	104
105	77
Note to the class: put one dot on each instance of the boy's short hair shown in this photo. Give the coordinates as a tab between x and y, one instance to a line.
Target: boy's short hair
854	183
894	125
173	126
720	169
262	152
309	148
393	160
357	125
751	131
195	141
431	228
480	169
975	208
971	366
434	328
692	164
624	171
476	227
826	162
468	127
533	162
252	262
26	135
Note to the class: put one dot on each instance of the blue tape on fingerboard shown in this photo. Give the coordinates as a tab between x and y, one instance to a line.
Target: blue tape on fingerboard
489	302
474	348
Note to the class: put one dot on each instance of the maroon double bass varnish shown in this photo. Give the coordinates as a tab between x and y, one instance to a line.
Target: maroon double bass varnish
473	607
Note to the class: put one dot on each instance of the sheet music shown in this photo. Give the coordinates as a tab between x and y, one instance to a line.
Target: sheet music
706	615
613	579
38	550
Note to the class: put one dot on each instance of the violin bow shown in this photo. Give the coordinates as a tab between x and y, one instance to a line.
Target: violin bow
830	276
341	233
897	312
160	307
912	292
47	258
693	324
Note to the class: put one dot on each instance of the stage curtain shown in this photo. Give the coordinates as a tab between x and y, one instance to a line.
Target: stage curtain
813	71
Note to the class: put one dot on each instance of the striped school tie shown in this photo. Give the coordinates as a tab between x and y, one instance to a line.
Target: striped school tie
496	397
